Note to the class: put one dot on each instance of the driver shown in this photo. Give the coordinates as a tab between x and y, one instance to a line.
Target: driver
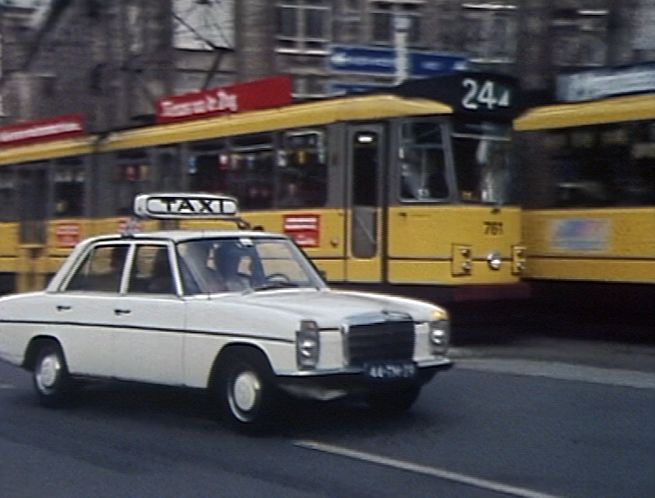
227	260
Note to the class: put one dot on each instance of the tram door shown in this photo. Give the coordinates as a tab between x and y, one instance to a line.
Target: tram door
365	166
32	208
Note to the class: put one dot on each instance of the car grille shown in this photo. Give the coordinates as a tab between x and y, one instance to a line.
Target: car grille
388	340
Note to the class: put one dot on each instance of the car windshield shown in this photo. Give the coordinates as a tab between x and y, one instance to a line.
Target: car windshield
241	264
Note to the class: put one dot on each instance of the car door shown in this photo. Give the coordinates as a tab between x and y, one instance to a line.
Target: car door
149	319
83	310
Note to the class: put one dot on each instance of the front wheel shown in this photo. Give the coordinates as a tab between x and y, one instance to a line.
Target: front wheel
51	378
246	390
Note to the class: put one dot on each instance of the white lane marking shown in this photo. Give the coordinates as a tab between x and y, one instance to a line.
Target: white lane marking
5	386
423	469
561	371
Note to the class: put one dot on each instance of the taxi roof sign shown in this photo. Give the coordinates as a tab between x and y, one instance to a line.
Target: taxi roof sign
185	206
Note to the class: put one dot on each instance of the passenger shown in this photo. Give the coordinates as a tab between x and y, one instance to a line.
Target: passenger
291	196
162	279
111	280
228	259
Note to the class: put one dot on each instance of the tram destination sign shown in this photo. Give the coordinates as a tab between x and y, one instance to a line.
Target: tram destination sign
383	61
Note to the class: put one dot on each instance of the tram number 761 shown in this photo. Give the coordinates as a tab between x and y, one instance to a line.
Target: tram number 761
493	227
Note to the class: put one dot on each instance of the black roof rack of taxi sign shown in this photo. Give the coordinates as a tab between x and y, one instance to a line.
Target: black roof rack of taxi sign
178	206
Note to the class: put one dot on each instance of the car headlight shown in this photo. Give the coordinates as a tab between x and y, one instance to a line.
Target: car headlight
439	332
308	344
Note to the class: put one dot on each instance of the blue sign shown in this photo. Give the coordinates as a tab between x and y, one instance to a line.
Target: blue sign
382	61
431	63
362	59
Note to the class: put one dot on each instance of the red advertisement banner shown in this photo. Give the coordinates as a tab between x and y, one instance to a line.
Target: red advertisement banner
258	94
303	228
69	125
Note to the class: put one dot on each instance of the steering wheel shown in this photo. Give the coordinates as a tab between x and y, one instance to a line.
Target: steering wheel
278	277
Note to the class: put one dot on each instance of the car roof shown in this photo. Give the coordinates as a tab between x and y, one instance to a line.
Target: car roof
185	235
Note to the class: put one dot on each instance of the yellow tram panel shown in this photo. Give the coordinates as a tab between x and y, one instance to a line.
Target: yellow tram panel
47	150
610	244
8	239
454	245
296	116
484	228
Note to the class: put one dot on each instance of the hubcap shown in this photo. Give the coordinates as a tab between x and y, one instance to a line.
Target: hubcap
244	395
48	372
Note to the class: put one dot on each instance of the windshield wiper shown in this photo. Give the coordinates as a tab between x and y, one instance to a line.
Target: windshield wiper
275	285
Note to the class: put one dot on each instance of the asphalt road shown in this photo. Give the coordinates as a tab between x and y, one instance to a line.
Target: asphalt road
531	418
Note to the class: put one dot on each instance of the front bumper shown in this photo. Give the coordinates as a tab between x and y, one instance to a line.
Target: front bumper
352	382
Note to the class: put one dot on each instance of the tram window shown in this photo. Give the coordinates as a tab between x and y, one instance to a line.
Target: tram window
482	152
208	166
132	176
422	163
7	189
603	165
250	176
69	179
384	14
167	160
301	175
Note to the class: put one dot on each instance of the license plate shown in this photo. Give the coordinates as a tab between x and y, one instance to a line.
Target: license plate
391	370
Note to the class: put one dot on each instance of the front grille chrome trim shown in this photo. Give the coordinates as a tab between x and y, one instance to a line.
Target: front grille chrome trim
378	336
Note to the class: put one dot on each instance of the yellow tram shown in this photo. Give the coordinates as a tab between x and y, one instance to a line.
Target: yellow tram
408	188
589	200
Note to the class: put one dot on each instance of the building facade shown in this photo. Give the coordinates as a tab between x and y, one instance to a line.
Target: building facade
110	61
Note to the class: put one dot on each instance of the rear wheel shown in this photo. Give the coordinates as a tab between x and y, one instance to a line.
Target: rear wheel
51	378
246	390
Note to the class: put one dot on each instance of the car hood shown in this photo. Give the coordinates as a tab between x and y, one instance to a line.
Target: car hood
282	310
330	307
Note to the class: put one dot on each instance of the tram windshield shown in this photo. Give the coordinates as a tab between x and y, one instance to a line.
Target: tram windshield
422	162
482	153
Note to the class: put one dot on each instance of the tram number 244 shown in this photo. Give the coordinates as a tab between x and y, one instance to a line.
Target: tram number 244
487	94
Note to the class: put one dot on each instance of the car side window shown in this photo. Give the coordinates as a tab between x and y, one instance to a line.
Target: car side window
101	271
151	271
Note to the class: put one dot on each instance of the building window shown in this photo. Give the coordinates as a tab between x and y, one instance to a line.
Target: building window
303	26
203	24
309	87
385	16
490	32
579	37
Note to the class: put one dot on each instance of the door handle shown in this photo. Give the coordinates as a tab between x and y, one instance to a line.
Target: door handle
63	307
118	311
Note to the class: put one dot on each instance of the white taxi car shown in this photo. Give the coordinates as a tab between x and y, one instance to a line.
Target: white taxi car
242	314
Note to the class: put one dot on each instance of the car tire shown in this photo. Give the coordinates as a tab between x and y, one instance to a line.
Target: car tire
395	401
247	396
52	381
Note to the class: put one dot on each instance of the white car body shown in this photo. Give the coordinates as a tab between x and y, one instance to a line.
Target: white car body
177	337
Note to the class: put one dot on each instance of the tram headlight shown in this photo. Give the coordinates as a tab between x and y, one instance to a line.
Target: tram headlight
439	332
308	344
494	260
